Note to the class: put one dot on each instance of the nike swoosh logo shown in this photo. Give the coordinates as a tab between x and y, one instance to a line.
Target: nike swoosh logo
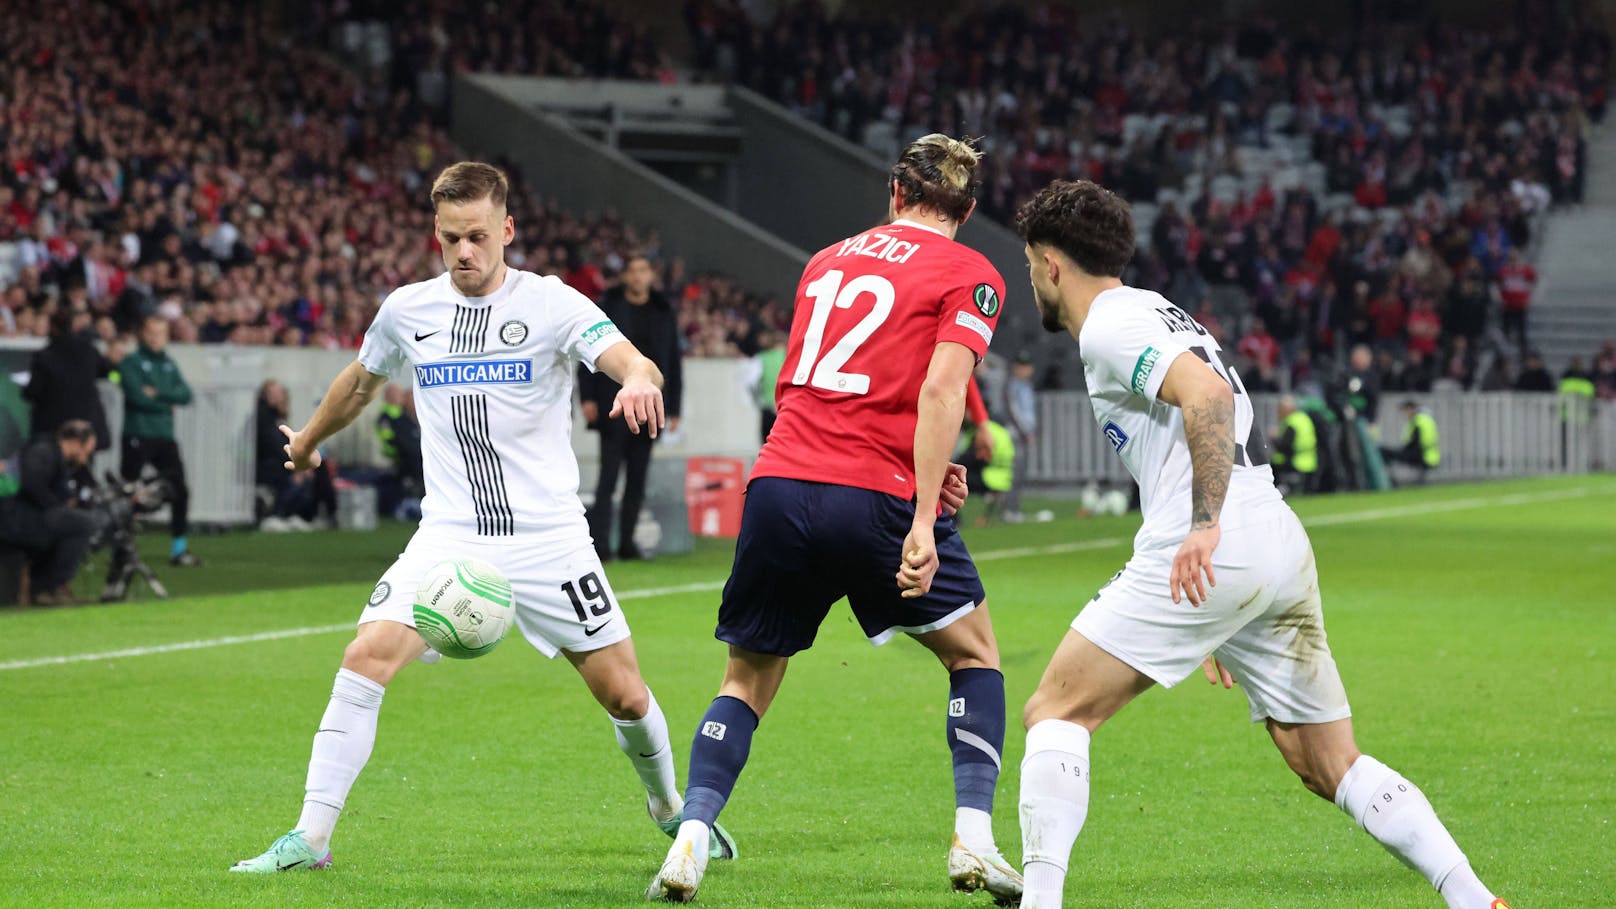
653	754
590	632
421	337
279	867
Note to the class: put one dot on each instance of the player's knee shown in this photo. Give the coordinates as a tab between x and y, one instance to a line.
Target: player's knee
628	701
372	658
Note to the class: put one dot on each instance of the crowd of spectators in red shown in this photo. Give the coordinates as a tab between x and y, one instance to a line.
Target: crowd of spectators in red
195	161
206	163
1432	152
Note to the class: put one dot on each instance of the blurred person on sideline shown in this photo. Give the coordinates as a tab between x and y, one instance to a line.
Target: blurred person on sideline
647	319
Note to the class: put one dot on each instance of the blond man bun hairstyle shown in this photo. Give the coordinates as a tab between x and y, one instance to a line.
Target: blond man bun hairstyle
938	172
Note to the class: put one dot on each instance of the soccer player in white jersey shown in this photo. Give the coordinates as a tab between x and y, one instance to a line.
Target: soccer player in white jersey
1221	565
492	352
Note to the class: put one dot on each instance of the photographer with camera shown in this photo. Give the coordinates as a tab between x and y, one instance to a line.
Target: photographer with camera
43	518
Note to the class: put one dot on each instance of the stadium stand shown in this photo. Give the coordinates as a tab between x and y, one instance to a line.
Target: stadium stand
1334	192
196	161
1357	189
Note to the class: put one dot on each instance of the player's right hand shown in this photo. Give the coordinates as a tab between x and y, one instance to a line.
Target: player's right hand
296	458
919	560
955	489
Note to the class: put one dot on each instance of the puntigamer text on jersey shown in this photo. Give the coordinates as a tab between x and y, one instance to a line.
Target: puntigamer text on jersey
474	372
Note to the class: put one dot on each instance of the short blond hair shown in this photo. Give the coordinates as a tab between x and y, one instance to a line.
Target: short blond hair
470	181
938	172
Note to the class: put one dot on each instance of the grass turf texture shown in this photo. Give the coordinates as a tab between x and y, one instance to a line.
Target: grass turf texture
1477	645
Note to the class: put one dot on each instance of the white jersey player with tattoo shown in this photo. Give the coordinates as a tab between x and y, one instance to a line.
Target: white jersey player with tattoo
1222	573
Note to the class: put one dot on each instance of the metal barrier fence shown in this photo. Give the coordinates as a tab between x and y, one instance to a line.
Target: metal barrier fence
216	438
1483	436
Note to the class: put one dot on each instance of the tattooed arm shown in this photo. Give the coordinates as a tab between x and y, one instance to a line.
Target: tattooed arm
1208	405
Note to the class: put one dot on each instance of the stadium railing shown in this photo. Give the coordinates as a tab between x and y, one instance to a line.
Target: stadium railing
215	432
1484	435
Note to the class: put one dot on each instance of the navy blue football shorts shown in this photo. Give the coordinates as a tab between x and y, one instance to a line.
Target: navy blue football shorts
803	546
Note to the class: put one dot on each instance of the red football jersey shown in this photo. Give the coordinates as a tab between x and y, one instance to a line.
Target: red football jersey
869	312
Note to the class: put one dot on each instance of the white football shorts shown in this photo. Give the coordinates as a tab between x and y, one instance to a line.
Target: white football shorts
1264	621
563	600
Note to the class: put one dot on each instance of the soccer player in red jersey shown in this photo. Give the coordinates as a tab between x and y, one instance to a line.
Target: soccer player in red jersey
847	499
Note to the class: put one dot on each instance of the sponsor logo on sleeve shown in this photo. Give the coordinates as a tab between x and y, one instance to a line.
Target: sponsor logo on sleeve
1117	438
513	332
380	594
474	372
1142	370
986	299
974	324
602	329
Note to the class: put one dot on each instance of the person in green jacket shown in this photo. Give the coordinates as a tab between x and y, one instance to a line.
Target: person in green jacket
770	360
1421	443
152	388
1296	447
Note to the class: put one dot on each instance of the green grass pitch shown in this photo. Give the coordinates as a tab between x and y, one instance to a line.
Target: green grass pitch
1475	627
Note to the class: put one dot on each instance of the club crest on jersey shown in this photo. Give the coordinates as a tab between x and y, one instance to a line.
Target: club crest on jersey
1115	435
599	330
986	299
513	333
474	372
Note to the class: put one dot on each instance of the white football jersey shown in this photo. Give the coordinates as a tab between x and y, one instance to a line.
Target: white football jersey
493	392
1128	342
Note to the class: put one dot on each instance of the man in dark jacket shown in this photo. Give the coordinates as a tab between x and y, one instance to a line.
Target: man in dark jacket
41	517
62	379
648	320
152	388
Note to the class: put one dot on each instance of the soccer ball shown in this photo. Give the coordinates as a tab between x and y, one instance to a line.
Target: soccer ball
463	608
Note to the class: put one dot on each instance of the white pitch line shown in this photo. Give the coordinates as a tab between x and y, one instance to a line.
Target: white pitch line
170	648
1351	517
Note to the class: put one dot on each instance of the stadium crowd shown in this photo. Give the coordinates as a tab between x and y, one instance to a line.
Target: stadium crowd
192	161
1432	153
212	168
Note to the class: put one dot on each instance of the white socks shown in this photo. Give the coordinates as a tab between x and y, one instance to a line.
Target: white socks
341	748
1397	814
645	741
1054	804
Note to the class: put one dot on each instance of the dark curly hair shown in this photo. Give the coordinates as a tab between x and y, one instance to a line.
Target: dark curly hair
938	172
1092	225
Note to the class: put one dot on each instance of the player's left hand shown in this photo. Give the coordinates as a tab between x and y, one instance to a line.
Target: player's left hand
919	560
1194	558
640	403
1216	674
955	490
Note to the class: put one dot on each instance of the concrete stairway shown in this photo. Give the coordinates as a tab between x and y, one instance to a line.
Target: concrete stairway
1574	309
